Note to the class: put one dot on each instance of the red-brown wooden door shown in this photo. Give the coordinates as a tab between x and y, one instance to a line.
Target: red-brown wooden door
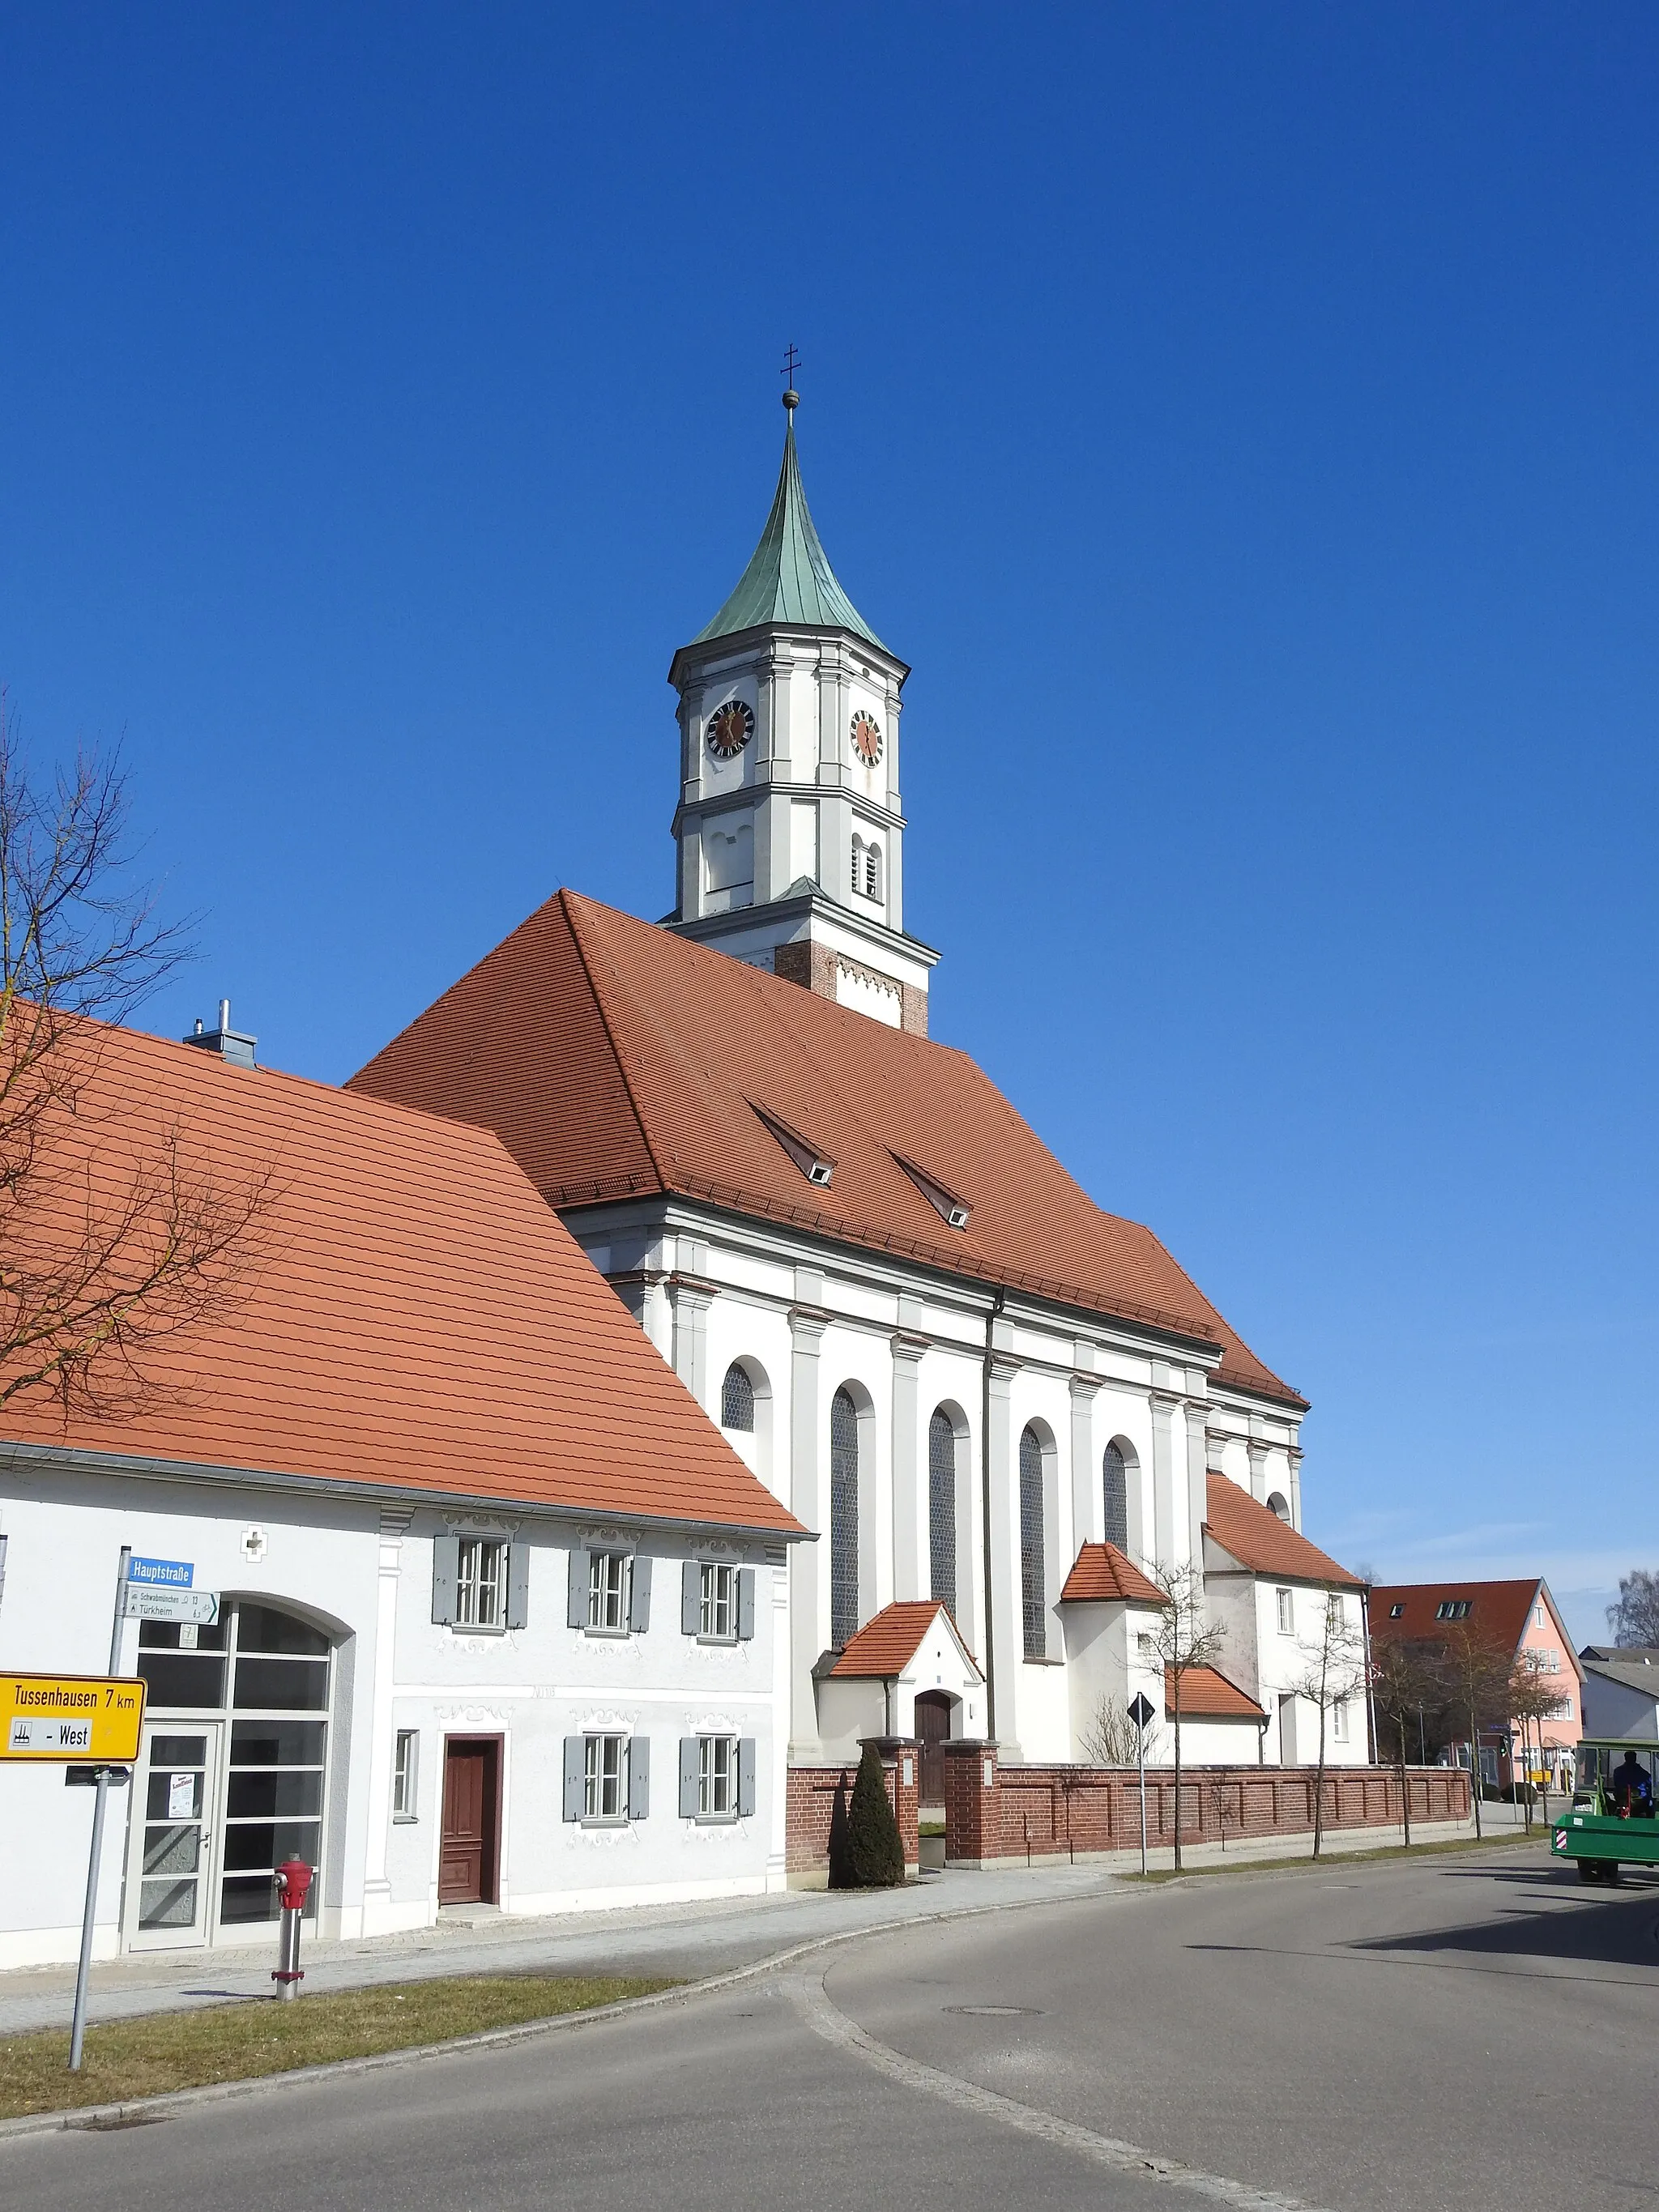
467	1851
932	1730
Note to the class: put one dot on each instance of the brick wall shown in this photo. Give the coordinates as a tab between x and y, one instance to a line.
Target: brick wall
812	1803
1049	1811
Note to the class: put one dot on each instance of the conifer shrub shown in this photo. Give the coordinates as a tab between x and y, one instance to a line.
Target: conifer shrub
872	1855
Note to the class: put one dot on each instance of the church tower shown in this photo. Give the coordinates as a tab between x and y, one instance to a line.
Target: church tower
789	827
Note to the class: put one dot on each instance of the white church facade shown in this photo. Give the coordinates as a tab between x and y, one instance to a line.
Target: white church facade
929	1344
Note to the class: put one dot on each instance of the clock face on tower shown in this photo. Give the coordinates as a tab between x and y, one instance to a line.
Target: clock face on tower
730	728
866	738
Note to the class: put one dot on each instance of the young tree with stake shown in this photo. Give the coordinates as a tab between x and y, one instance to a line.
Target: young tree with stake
1333	1673
1182	1640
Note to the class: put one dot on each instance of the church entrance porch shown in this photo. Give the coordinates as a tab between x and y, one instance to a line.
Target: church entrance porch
932	1733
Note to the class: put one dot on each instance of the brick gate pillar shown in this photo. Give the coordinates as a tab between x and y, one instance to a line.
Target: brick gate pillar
973	1820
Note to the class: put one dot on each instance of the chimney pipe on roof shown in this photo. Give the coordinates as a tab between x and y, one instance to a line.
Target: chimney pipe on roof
230	1044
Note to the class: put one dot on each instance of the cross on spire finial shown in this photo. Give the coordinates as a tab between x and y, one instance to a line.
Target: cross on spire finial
790	363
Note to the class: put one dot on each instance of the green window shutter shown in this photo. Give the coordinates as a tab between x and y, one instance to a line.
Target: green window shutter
575	1776
690	1597
577	1611
639	1776
446	1573
518	1585
688	1777
746	1604
639	1594
746	1777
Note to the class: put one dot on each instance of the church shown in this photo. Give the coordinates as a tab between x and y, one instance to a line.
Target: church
1001	1412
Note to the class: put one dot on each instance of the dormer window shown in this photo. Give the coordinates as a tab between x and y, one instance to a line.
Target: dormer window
816	1165
1454	1608
952	1210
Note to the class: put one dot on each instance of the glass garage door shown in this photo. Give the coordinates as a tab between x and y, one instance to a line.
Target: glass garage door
267	1677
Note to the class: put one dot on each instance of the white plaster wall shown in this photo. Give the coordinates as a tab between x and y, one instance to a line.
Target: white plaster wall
327	1558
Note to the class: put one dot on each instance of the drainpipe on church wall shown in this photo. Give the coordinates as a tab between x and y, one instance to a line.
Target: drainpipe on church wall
992	1316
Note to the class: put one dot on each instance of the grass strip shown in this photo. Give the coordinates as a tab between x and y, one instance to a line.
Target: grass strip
1391	1854
237	2042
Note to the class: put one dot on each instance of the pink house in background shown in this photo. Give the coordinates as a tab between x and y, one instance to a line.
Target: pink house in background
1518	1617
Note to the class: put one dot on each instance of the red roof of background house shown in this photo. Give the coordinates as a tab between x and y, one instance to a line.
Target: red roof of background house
890	1640
1497	1610
1207	1696
423	1320
1260	1541
1100	1574
613	1058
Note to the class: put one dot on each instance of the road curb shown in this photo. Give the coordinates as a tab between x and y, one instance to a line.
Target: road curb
93	2118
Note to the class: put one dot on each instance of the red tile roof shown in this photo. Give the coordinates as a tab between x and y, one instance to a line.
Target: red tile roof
423	1322
1499	1611
1207	1696
613	1058
890	1640
1100	1574
1260	1541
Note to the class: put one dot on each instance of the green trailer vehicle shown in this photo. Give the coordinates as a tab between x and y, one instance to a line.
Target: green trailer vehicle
1610	1822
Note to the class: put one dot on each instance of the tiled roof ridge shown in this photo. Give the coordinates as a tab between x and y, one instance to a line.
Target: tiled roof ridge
1289	1389
1133	1587
568	903
1195	1677
1300	1560
951	1261
1452	1586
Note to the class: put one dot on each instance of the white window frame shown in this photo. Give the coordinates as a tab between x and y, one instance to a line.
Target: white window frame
1340	1719
481	1582
406	1774
717	1604
717	1777
610	1576
604	1779
1286	1610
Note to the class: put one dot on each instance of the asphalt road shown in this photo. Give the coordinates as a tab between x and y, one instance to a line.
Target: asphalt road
1445	2034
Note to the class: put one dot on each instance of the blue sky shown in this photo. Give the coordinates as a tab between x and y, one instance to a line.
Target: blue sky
1243	420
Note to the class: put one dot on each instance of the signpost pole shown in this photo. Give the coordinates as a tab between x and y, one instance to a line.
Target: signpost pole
78	2029
1141	1764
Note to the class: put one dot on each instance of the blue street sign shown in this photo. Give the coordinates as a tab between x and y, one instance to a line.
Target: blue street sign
162	1574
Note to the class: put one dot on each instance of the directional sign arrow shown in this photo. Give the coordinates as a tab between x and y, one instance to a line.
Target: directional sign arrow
138	1603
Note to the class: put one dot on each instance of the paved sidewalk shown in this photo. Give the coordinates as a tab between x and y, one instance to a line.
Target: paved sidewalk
680	1941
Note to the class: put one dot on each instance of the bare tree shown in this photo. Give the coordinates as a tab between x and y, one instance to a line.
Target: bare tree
1405	1677
1108	1735
1534	1696
1182	1640
1478	1675
114	1234
1635	1620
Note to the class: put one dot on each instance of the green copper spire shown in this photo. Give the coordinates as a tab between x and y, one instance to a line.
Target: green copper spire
789	579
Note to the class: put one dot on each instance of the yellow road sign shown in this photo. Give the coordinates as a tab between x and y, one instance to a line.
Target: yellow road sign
82	1716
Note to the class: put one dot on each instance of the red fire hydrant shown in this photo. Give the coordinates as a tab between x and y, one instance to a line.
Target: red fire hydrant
293	1878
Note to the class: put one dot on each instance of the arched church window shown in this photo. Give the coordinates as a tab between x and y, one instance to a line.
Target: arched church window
858	862
843	1519
872	871
1032	1569
942	1509
1116	1483
738	1399
1280	1504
